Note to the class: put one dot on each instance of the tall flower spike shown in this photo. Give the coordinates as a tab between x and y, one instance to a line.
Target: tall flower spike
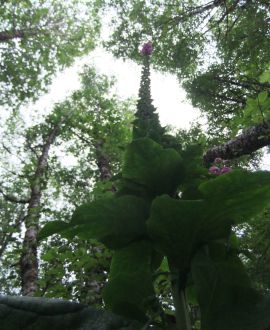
147	122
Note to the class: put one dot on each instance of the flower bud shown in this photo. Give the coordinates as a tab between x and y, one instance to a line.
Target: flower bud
147	48
218	160
225	169
214	170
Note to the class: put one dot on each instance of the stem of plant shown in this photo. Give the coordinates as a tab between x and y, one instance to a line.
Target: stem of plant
181	312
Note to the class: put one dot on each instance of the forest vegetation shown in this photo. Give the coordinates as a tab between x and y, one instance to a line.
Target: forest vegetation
167	228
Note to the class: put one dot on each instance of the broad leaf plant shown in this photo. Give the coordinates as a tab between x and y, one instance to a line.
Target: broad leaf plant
167	209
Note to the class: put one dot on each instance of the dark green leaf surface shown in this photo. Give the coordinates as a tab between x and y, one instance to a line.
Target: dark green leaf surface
178	227
226	298
130	287
31	313
53	227
113	221
148	164
174	227
240	194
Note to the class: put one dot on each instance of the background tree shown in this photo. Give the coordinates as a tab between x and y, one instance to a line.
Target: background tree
38	38
92	126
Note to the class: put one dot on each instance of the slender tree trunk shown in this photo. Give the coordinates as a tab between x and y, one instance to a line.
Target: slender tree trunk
103	161
29	260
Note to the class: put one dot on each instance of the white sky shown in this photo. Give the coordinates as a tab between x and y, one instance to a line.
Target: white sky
168	97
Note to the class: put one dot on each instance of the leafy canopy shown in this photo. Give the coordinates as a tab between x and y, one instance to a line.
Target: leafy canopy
38	38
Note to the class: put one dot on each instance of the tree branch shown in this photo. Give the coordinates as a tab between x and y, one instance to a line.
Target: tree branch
6	237
18	34
14	199
193	11
252	139
248	84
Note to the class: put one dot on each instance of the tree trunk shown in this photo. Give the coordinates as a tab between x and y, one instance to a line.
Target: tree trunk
103	161
252	139
29	260
93	286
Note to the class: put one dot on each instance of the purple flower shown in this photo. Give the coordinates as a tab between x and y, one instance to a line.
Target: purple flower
218	160
225	169
214	170
147	48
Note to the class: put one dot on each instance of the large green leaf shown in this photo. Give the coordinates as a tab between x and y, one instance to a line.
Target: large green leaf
240	194
174	226
226	298
149	165
35	313
113	221
179	227
130	288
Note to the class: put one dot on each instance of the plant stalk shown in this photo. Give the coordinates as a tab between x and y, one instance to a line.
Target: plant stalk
181	312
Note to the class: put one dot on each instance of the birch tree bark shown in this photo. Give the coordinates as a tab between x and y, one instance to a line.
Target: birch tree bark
29	260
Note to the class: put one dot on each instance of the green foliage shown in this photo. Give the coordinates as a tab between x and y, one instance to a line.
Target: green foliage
179	227
240	194
226	297
66	185
217	48
37	39
174	225
254	246
114	221
193	230
255	111
130	289
146	122
167	213
155	169
177	44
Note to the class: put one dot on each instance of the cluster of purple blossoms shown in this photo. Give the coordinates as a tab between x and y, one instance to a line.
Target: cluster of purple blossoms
220	167
147	48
